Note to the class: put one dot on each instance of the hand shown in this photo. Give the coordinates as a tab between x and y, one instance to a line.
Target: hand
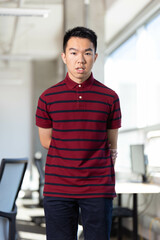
114	154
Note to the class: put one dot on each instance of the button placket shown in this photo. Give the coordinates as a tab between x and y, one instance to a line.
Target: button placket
80	96
79	93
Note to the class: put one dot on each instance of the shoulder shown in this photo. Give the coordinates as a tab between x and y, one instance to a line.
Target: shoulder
103	88
53	89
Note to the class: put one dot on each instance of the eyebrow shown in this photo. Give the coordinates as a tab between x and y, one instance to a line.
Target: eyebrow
86	50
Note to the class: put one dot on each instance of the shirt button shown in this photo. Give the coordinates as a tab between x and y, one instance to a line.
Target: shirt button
80	97
79	85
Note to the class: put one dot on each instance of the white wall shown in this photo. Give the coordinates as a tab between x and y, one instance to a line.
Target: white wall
45	74
15	108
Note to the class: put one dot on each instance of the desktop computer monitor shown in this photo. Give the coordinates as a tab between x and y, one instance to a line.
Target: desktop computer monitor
138	161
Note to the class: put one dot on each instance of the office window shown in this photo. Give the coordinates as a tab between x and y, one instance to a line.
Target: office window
133	71
153	143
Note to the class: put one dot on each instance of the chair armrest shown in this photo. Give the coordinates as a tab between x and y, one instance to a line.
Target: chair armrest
9	215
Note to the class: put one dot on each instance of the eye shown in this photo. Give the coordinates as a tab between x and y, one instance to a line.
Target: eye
73	53
88	53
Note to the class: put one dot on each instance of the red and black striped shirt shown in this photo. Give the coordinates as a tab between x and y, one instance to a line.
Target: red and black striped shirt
79	163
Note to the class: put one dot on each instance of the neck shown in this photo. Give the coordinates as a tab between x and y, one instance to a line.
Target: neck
78	80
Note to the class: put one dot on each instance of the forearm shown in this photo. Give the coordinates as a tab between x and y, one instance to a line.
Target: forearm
46	143
45	136
112	139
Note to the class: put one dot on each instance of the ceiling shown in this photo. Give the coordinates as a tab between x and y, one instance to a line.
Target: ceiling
42	37
119	14
32	36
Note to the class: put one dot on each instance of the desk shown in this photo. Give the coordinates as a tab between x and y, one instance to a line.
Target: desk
135	189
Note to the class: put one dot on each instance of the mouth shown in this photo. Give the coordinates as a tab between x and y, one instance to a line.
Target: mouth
80	69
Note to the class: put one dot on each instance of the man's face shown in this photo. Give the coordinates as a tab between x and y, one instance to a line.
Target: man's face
79	57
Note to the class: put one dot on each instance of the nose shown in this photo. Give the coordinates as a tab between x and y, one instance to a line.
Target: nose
81	59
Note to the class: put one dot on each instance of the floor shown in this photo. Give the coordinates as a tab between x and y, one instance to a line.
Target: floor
27	229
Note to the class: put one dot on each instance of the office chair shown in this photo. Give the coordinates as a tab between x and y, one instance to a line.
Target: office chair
11	177
38	162
121	212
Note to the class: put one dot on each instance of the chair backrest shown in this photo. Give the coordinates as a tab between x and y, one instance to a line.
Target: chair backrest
11	177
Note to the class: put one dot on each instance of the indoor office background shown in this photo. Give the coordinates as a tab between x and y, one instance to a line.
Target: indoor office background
129	62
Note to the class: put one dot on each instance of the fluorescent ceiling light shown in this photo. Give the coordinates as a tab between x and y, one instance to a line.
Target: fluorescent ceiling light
26	57
24	12
17	57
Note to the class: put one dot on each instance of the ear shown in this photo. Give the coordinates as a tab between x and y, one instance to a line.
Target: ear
95	57
63	55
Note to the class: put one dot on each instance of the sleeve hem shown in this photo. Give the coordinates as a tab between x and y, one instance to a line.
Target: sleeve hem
43	125
114	127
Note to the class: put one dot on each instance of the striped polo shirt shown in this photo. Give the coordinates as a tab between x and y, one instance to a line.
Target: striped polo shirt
79	163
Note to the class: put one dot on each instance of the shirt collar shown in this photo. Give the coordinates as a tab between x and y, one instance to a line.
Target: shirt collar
72	84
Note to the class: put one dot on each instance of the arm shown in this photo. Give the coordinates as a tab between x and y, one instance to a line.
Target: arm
45	135
112	139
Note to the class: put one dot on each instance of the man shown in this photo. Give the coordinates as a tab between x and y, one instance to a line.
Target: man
78	122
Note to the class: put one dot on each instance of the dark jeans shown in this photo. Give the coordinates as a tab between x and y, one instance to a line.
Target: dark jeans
62	218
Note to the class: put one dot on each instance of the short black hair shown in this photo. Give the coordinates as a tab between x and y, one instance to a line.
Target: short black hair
81	32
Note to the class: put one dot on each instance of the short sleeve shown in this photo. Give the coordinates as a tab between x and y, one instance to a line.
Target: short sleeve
42	116
114	118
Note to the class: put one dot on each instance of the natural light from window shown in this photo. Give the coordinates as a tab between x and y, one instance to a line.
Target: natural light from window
133	71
